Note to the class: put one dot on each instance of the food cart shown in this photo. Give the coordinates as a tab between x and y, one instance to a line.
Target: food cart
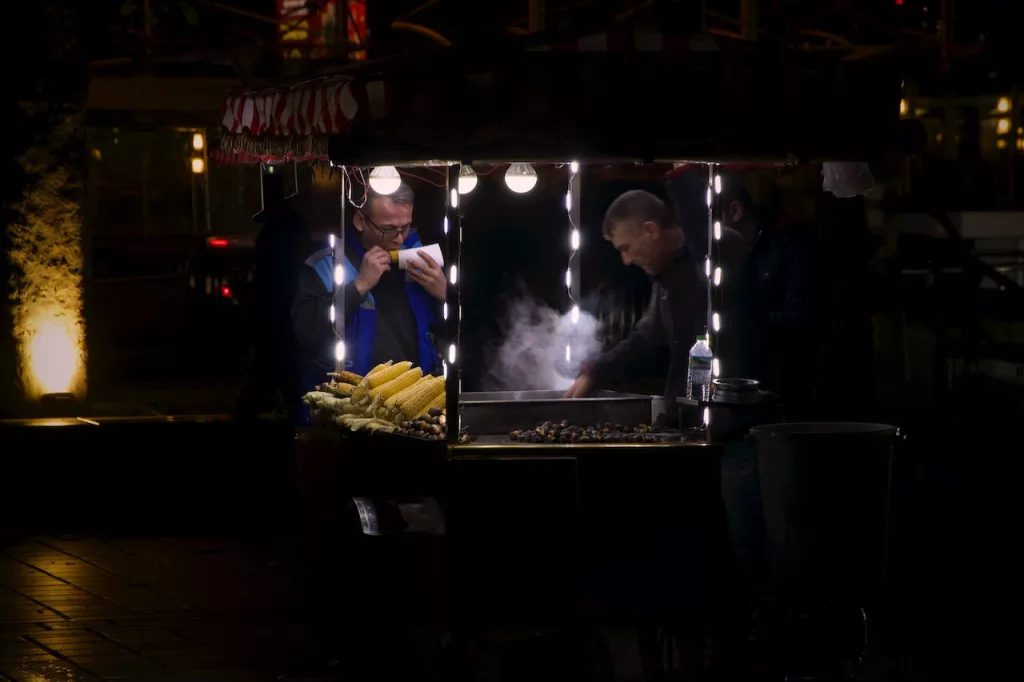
558	512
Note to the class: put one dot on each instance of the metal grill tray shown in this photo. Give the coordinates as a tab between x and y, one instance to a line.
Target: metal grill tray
499	412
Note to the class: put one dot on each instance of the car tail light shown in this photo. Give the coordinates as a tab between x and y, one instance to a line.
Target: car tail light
225	292
218	243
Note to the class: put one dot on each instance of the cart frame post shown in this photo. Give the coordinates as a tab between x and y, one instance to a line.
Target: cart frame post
450	362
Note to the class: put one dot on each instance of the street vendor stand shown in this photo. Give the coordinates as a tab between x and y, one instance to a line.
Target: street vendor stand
558	534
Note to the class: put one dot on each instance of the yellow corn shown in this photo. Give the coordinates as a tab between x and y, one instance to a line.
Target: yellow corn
378	377
379	368
407	391
420	398
387	374
396	385
344	390
346	377
440	401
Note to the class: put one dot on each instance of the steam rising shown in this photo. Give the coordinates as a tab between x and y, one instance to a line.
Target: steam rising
533	354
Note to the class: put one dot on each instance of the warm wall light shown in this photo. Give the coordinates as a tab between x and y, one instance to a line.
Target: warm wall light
1003	105
45	254
903	107
198	142
52	352
198	165
1003	126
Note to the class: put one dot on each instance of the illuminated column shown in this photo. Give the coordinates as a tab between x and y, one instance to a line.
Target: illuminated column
572	272
452	309
337	312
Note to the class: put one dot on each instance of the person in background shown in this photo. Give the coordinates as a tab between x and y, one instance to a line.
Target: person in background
273	376
646	234
771	332
388	316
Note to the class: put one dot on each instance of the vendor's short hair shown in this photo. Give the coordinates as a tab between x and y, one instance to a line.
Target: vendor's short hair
403	196
636	206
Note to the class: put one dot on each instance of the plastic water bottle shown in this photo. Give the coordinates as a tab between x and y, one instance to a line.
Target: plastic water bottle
698	371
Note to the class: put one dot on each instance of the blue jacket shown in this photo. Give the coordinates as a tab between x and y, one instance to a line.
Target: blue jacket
361	323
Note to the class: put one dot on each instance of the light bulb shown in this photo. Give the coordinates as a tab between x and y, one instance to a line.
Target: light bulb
574	239
385	180
718	230
339	351
568	201
198	165
718	276
716	321
568	352
568	278
198	142
521	178
332	313
707	416
467	179
454	201
574	167
707	267
716	369
330	240
451	353
718	184
709	197
444	224
453	275
339	275
575	314
444	311
444	367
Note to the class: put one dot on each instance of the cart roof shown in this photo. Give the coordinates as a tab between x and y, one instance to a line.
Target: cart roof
695	98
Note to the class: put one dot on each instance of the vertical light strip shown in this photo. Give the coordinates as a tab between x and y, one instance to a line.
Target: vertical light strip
451	361
339	288
573	278
715	273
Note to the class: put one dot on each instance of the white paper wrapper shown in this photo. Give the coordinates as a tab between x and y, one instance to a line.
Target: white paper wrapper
433	250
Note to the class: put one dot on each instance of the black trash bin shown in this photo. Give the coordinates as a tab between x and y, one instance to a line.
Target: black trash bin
825	490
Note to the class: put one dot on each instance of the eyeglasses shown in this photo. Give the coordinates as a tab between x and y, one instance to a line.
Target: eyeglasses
389	232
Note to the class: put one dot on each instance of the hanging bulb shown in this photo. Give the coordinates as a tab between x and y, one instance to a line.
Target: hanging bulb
467	179
339	275
574	167
332	314
521	178
454	201
574	239
385	179
575	315
339	351
330	240
568	352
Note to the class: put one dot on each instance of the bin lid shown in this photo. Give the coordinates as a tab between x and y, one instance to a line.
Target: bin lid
825	429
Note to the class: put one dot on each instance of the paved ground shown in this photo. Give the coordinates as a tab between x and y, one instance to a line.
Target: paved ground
145	609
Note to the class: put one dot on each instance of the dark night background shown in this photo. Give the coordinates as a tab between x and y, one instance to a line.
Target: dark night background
922	334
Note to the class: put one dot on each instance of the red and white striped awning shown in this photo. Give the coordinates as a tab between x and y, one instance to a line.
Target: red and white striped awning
319	108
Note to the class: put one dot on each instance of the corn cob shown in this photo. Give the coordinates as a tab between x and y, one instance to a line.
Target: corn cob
378	377
401	395
387	374
379	368
345	377
341	390
396	385
420	398
440	401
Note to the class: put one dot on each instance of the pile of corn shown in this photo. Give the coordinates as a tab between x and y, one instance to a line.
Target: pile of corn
388	396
